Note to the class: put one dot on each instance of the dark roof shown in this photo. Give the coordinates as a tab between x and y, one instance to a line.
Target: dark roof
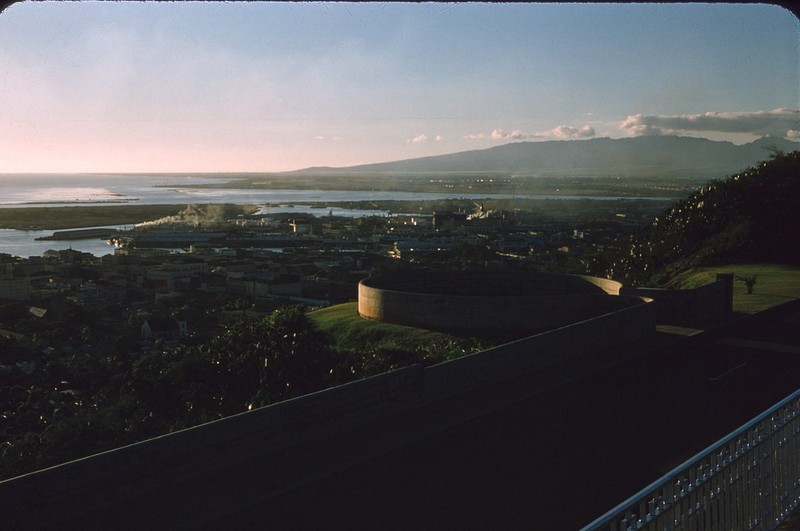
161	324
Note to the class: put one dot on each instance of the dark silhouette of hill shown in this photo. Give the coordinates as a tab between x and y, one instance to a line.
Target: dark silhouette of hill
752	216
642	156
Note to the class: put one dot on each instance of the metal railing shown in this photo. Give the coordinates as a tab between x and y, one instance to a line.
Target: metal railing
748	480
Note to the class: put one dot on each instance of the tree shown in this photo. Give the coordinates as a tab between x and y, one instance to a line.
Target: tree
749	282
250	364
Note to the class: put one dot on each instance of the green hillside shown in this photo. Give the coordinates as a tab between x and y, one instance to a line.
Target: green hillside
751	217
376	343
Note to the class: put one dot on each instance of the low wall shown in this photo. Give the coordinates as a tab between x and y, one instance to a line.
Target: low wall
537	353
707	303
183	479
463	300
195	476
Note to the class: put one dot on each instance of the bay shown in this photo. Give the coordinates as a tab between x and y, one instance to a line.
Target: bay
32	190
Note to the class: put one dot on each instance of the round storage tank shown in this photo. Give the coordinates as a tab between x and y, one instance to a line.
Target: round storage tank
487	300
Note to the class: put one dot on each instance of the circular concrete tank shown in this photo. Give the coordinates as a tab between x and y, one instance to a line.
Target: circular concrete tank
487	300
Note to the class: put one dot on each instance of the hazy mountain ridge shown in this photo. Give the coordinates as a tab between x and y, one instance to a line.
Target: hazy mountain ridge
652	155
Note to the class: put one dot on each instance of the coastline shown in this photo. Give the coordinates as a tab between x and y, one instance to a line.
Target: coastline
70	217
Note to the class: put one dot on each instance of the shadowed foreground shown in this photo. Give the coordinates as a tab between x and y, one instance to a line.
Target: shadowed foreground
560	458
551	450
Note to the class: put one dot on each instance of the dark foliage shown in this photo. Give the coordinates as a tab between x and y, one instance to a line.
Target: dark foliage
751	217
68	408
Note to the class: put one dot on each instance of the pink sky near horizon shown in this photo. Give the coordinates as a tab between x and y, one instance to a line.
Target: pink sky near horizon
228	87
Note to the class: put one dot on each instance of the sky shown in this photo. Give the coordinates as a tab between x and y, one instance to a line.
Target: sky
260	87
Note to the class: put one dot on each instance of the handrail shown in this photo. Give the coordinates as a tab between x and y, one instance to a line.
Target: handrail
629	512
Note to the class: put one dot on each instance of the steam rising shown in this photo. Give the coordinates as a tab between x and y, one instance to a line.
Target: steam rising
192	216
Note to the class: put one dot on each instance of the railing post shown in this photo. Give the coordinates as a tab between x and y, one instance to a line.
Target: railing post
727	278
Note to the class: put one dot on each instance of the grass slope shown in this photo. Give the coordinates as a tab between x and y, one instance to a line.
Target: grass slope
351	333
775	284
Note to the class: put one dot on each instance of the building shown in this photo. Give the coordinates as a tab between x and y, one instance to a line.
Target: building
163	328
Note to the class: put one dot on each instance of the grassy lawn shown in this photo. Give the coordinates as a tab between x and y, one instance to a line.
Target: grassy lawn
775	284
351	333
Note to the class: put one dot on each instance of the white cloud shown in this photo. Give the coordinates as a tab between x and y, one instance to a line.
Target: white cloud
778	122
562	132
419	139
565	132
643	130
499	134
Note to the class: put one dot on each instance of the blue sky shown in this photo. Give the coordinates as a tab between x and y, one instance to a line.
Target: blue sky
201	86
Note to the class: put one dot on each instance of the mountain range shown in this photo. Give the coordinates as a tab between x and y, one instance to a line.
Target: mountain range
657	156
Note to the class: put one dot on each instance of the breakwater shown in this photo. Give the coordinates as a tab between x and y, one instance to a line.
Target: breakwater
79	234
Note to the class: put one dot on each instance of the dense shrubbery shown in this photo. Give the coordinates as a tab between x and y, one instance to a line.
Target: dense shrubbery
65	409
752	216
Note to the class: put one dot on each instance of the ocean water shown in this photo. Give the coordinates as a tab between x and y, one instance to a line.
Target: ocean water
85	189
118	189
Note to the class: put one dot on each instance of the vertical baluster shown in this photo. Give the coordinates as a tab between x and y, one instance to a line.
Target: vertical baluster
691	498
669	504
651	508
642	511
705	499
736	481
771	481
749	479
722	480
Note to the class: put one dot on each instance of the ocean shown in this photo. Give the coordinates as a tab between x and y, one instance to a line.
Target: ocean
112	189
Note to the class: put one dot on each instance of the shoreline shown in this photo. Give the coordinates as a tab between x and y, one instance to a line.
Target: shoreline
71	217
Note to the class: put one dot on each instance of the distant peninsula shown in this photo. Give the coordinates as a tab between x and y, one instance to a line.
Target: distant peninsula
55	218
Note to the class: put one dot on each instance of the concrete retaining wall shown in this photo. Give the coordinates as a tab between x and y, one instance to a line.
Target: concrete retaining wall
538	352
531	301
200	474
168	481
706	303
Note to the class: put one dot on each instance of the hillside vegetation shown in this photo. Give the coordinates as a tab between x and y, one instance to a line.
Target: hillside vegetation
751	217
376	346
